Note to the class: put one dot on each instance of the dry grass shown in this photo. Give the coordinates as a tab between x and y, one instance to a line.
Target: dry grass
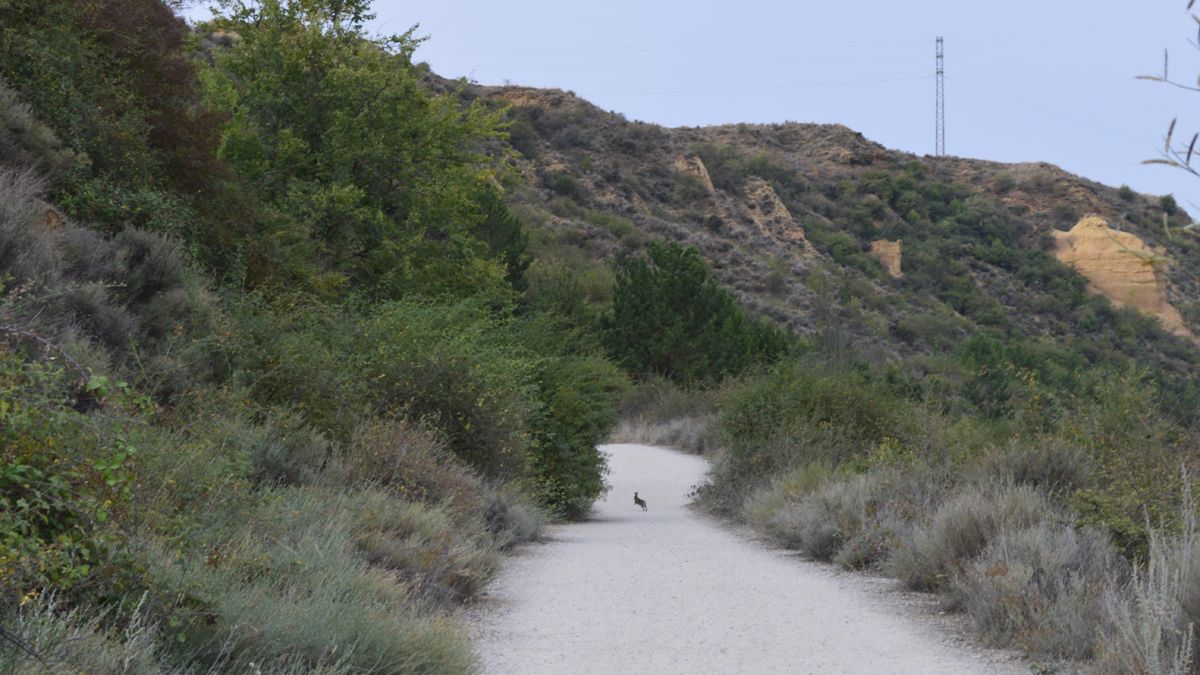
690	434
961	529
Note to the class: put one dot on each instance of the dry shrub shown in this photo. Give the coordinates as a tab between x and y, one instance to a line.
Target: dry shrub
961	529
284	449
855	521
1051	464
1152	621
411	461
69	640
827	518
1041	588
690	434
311	579
25	142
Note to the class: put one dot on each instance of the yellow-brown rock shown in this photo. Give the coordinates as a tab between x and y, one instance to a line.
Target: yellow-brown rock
889	254
692	165
1121	266
771	216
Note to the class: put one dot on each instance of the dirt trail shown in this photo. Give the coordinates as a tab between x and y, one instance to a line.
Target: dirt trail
671	591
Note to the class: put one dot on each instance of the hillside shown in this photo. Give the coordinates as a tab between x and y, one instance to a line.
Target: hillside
298	340
776	208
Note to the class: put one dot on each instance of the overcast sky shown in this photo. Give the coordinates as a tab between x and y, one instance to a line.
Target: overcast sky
1026	80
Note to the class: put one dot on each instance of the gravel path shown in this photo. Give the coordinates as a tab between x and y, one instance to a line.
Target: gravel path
671	591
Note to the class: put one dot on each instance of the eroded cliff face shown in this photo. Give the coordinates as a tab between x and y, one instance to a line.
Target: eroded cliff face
889	254
766	210
693	166
1121	266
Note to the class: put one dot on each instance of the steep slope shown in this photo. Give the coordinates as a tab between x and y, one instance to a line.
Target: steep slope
811	224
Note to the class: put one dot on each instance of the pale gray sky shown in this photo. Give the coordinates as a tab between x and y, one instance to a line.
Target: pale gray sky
1048	80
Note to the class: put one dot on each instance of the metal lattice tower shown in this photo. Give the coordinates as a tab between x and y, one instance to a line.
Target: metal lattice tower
940	148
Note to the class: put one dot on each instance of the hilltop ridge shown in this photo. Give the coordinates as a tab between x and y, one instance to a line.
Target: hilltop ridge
771	206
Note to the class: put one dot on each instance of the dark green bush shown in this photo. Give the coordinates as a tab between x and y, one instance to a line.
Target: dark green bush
439	364
670	318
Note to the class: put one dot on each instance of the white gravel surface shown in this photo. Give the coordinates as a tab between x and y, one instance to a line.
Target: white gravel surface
672	591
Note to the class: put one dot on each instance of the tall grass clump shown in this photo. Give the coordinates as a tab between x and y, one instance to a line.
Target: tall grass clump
1153	618
54	638
320	579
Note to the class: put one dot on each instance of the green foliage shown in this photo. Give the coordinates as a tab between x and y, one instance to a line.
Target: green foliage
670	318
729	170
505	237
338	475
64	478
372	183
112	81
564	184
441	365
474	379
579	397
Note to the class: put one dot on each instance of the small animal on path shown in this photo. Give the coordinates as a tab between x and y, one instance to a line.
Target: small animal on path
638	501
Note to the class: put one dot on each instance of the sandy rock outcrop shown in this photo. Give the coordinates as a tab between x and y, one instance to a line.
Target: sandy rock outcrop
772	218
890	254
692	165
1121	266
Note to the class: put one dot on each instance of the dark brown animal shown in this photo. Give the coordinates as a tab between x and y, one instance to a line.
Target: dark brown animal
638	501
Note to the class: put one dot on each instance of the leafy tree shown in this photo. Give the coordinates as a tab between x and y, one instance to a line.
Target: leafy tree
371	181
112	79
671	318
505	237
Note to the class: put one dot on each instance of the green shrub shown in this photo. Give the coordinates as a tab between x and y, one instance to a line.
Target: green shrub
564	184
65	480
795	399
440	365
579	402
671	319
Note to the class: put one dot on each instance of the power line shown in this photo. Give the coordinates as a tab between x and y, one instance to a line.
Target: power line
1046	111
802	85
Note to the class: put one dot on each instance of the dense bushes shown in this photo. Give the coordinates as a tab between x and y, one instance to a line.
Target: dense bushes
500	406
199	477
114	83
579	398
64	478
1031	519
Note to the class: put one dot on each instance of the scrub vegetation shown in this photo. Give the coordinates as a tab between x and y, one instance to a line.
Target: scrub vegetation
298	338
